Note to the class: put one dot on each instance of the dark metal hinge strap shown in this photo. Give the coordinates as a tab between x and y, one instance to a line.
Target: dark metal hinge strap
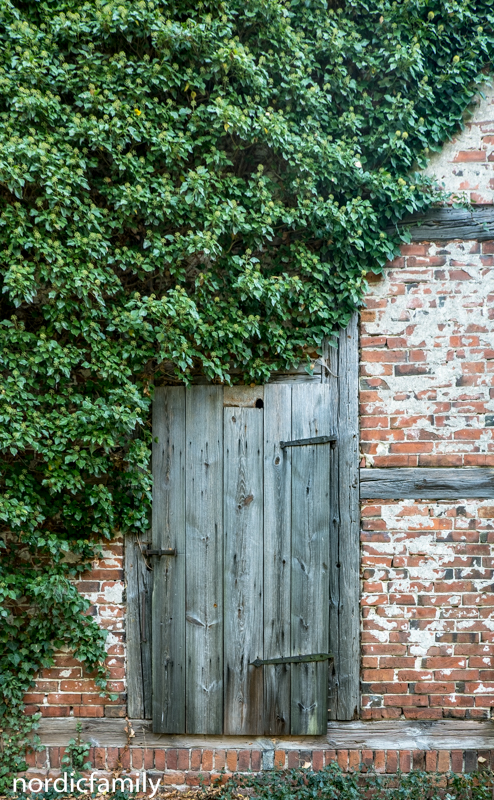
258	662
312	440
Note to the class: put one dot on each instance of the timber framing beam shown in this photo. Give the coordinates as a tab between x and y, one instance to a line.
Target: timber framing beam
450	483
446	223
385	735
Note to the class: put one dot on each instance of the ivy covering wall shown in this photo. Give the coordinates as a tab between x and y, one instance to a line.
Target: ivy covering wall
185	186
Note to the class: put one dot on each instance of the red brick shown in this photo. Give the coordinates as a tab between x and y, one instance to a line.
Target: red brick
137	758
148	759
342	758
431	760
173	778
62	699
182	759
392	761
380	761
112	757
367	758
464	156
317	760
231	760
54	757
457	761
207	760
160	760
422	713
443	761
88	711
243	760
99	758
124	757
405	760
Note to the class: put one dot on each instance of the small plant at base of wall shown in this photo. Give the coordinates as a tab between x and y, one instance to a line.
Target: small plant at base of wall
334	784
76	753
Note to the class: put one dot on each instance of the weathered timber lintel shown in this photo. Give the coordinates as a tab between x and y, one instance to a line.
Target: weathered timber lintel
445	223
386	735
450	483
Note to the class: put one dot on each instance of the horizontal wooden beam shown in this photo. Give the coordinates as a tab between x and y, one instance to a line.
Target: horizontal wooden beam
427	484
385	735
411	735
446	223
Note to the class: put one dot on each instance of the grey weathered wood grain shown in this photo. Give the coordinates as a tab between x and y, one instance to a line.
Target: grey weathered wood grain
294	375
302	377
138	630
146	582
310	558
348	652
330	355
383	735
277	555
168	531
243	575
204	559
446	223
449	483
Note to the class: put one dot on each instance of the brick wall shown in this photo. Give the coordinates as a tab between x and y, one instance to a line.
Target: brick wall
186	767
427	391
427	399
428	628
65	689
465	165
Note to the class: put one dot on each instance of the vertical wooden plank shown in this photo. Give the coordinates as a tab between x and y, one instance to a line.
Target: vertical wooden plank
348	655
168	531
310	558
243	536
204	559
277	556
334	537
135	688
145	578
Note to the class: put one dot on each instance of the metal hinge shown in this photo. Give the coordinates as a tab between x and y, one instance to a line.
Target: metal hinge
312	440
148	551
292	659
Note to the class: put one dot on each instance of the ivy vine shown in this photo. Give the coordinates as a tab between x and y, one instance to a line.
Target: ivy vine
185	186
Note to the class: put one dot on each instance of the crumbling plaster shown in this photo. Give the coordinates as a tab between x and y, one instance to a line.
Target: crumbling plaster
465	165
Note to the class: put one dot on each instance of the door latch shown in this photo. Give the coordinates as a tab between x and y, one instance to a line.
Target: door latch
148	551
258	662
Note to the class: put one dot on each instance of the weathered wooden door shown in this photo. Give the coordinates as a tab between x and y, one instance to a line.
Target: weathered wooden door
243	500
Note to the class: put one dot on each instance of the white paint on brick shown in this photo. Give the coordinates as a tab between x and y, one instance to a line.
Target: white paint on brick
413	316
471	178
420	641
114	594
412	533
